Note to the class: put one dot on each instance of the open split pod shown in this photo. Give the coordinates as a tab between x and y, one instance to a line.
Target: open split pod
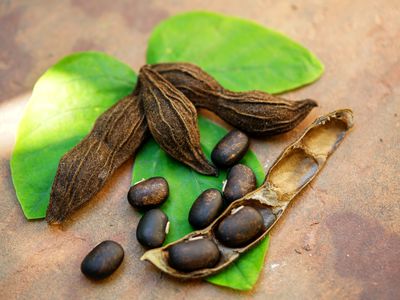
249	219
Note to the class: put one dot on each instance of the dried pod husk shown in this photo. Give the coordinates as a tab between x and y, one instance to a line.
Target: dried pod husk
254	112
292	171
83	171
172	120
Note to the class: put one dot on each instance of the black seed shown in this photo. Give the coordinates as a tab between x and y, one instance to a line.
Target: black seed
230	149
148	193
241	181
150	231
240	228
103	260
206	208
193	255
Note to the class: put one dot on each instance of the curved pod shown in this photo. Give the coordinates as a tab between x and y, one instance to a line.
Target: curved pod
298	164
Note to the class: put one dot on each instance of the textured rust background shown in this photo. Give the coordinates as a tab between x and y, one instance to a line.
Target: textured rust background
340	239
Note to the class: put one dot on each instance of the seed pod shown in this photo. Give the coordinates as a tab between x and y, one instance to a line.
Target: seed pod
172	120
254	112
230	149
293	170
83	171
206	208
151	230
192	255
259	113
241	227
241	180
103	260
148	193
189	79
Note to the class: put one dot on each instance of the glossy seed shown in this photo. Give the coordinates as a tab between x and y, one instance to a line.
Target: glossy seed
230	149
103	260
205	209
193	255
151	230
148	193
240	228
241	181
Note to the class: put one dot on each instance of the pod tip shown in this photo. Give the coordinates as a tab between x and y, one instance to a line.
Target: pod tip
311	102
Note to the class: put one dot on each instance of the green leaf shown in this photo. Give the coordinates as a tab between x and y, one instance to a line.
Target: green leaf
240	54
186	185
65	102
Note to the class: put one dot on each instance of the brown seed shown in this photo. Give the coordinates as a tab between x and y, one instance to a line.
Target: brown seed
84	170
240	228
151	230
254	112
103	260
206	208
172	120
148	193
240	181
230	149
189	256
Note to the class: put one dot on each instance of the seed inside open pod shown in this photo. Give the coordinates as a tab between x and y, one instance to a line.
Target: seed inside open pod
194	254
241	227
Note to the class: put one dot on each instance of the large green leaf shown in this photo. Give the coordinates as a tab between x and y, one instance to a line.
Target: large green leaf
185	185
240	54
65	102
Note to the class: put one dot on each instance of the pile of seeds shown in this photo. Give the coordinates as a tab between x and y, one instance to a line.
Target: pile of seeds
146	194
241	227
223	236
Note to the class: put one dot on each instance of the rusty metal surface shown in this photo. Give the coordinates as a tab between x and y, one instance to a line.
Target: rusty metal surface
339	239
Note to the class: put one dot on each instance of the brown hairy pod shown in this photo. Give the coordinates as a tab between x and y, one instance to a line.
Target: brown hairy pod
254	112
172	120
83	171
